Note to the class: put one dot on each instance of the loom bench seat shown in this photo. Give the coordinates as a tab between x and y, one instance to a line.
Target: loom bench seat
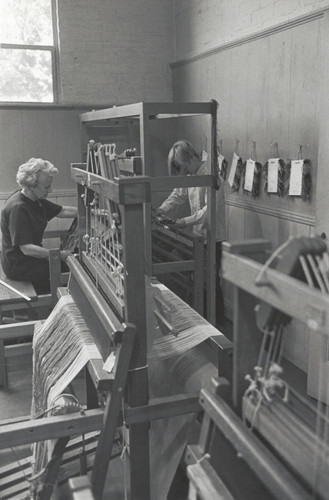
8	296
11	301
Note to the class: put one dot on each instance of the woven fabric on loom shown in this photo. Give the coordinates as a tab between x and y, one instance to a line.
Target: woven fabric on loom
175	366
192	328
62	346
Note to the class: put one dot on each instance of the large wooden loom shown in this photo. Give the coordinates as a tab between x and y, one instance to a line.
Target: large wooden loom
100	125
262	436
176	255
107	283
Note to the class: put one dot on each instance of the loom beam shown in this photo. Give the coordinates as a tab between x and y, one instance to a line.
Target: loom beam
249	449
282	468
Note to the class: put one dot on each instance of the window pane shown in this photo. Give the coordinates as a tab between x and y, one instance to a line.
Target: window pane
26	75
26	22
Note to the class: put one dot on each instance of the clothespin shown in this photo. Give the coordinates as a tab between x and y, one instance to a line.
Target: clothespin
253	155
275	150
236	146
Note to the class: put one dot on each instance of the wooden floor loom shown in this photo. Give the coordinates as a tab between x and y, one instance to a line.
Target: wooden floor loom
107	284
262	435
178	257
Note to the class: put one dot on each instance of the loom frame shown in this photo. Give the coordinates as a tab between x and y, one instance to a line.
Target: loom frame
139	411
131	195
274	466
145	113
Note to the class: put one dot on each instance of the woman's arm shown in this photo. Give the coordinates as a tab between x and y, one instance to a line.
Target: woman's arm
199	217
177	197
41	252
68	212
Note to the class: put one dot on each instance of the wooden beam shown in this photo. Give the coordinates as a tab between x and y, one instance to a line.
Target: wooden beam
50	428
17	330
168	183
172	267
166	407
282	292
150	109
18	350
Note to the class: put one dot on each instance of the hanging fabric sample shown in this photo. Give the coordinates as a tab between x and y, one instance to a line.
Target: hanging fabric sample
275	173
236	170
221	160
252	174
300	178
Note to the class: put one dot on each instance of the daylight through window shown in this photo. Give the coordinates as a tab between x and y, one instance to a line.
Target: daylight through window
27	51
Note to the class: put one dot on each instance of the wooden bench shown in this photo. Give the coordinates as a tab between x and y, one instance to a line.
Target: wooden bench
21	295
9	298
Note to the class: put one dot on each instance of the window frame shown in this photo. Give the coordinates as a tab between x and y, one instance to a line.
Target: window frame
54	52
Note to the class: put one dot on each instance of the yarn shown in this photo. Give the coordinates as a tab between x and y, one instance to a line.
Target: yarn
190	327
62	346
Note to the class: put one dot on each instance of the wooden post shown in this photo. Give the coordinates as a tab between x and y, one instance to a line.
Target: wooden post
135	305
54	273
198	278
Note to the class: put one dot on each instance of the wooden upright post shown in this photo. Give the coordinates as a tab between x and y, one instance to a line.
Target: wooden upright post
135	305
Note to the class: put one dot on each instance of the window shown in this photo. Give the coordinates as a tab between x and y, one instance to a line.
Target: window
27	51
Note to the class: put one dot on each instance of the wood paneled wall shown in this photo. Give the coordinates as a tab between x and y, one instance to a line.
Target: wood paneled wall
268	91
268	87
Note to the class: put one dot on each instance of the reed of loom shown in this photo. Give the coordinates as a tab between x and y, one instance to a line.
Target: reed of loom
293	426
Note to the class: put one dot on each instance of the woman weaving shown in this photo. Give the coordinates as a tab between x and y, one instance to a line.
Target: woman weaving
23	222
184	160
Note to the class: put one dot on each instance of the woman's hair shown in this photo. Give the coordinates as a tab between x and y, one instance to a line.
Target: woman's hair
182	152
28	173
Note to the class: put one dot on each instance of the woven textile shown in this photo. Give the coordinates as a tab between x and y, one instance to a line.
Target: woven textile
191	327
62	346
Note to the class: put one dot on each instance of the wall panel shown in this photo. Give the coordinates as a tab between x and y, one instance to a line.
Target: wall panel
52	134
268	92
268	88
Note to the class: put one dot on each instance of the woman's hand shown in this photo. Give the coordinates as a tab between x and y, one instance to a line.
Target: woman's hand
180	223
64	255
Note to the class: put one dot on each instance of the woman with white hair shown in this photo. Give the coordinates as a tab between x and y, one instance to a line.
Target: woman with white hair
23	221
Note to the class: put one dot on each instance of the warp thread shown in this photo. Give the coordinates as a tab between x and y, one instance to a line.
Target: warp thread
192	328
62	346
